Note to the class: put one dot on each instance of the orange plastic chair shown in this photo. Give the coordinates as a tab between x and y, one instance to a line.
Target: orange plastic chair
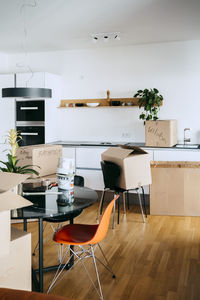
84	235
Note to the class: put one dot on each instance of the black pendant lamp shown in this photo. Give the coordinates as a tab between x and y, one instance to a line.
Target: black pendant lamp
26	92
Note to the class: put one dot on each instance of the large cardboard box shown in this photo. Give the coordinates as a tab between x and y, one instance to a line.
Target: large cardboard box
161	133
12	258
15	271
44	156
134	163
175	188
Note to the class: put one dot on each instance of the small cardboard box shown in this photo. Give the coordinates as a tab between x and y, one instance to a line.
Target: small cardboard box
161	133
134	163
8	201
44	156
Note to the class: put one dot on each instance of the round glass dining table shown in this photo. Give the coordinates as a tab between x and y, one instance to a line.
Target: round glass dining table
46	207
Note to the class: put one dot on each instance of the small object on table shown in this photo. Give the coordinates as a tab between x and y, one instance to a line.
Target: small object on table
52	185
45	182
115	103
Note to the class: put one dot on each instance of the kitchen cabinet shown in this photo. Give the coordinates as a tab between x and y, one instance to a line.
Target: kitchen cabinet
7	107
69	152
88	165
150	152
92	178
177	155
87	160
89	157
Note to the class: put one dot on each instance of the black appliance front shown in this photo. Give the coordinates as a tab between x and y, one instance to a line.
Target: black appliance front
30	110
31	135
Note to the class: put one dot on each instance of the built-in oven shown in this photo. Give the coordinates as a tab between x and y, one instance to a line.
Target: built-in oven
32	134
30	110
30	121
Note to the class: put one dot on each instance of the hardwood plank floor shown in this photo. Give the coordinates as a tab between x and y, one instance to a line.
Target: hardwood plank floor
157	260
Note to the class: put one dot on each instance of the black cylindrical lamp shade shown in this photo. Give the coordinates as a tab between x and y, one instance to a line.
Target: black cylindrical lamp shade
26	93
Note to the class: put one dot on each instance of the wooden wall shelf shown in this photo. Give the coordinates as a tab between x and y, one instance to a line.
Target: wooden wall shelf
104	102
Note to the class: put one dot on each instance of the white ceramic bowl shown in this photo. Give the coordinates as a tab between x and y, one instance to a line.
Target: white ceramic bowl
92	104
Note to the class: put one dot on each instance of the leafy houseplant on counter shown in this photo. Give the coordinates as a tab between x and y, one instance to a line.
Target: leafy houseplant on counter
158	133
12	165
150	100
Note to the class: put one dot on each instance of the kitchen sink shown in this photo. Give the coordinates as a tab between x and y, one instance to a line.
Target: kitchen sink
187	146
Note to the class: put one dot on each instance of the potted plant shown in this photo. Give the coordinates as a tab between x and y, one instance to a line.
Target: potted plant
12	165
158	133
150	100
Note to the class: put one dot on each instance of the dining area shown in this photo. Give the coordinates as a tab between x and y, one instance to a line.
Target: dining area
55	202
89	244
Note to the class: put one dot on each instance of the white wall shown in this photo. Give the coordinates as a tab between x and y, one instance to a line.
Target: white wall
173	68
3	63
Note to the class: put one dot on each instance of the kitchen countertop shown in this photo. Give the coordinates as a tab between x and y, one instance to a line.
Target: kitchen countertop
115	144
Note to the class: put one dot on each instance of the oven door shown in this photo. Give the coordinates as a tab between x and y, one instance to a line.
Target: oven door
30	110
31	135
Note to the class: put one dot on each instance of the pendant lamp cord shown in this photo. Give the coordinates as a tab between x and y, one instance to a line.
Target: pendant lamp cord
23	64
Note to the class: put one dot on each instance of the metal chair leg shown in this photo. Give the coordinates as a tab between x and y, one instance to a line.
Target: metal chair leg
124	201
97	273
127	197
118	206
144	201
101	205
108	267
113	225
102	201
140	202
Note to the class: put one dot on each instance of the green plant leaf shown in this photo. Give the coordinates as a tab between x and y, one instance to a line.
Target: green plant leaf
29	171
142	116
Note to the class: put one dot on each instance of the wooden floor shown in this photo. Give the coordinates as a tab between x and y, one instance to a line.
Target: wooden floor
157	260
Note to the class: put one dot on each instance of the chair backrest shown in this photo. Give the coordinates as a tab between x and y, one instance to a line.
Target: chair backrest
104	223
78	180
111	173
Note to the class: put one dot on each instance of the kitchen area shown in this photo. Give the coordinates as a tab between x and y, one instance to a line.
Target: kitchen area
40	121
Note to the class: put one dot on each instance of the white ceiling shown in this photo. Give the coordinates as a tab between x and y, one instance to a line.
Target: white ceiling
68	24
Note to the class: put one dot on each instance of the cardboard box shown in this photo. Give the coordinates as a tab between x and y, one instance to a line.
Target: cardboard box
12	258
15	271
44	156
175	189
161	133
134	163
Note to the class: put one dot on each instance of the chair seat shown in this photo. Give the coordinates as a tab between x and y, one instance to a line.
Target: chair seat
75	234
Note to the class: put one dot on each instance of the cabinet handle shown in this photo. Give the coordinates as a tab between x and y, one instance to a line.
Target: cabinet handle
29	133
29	108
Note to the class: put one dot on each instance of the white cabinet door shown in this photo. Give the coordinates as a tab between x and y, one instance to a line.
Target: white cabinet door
151	153
35	79
68	152
89	157
177	155
93	178
7	107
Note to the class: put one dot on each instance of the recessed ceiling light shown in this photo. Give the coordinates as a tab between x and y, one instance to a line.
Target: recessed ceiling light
108	36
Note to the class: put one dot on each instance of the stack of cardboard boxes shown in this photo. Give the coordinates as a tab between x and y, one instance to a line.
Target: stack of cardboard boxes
15	251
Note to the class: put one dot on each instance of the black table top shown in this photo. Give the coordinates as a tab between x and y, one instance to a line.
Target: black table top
45	206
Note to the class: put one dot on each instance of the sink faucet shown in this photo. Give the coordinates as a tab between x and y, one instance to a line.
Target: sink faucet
188	138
